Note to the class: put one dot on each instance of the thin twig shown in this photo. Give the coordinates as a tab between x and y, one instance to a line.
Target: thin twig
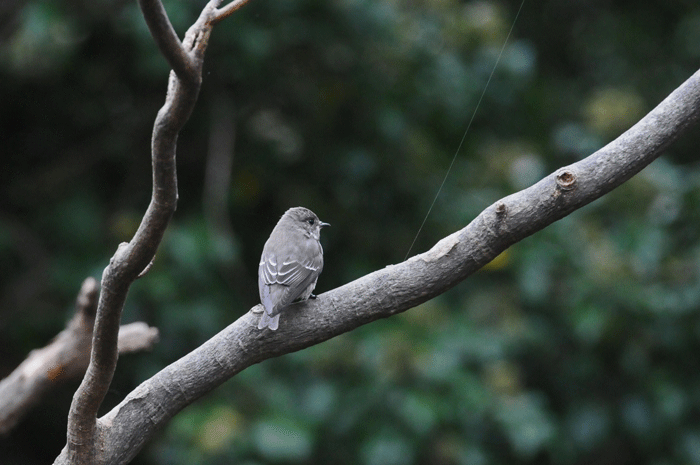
147	269
228	10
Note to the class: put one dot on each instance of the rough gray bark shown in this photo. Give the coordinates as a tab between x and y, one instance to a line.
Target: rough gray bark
396	288
66	357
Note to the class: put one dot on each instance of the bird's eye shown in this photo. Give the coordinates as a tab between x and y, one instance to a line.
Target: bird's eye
310	221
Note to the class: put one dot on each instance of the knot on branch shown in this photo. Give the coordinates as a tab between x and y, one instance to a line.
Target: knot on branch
566	180
500	208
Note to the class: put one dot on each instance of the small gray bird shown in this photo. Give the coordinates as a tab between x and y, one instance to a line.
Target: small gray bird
290	263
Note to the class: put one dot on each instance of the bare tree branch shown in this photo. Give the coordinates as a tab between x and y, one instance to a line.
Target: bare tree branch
85	441
135	337
396	288
228	10
66	357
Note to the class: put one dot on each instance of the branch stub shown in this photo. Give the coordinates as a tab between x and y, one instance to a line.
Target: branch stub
566	180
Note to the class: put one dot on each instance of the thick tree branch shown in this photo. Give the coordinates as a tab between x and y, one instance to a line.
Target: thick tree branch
396	288
66	357
85	441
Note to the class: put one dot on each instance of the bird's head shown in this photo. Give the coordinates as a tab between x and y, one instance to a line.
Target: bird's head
306	220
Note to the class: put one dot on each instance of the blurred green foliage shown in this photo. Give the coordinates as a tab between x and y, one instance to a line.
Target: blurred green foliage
573	347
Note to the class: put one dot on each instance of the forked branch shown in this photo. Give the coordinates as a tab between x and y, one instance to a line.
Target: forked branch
166	38
85	437
65	357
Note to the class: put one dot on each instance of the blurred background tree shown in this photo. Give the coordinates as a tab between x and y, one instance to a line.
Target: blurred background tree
573	347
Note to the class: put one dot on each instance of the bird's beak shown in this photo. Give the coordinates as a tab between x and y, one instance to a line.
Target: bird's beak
323	225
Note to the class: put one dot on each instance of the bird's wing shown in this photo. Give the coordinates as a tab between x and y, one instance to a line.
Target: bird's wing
292	275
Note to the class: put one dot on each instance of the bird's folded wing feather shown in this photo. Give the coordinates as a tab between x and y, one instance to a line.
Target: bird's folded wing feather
289	272
293	274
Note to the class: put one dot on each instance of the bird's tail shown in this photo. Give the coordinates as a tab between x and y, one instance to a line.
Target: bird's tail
269	322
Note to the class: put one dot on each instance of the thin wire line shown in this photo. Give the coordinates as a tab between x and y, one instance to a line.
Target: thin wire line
464	136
